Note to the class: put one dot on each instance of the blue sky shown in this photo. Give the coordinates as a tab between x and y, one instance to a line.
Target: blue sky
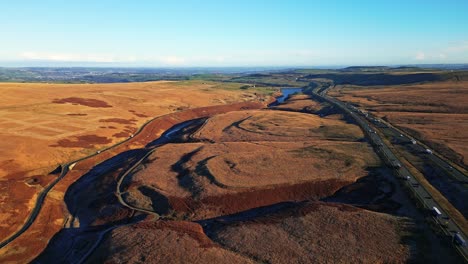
233	33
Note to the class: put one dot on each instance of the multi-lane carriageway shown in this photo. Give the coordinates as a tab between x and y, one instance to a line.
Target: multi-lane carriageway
439	216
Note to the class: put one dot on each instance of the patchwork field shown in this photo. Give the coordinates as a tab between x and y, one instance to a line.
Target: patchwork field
436	113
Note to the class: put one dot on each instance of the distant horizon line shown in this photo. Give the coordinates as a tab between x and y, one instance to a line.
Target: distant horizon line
323	66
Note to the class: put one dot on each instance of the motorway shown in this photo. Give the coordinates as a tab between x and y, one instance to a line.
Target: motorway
443	221
400	137
446	177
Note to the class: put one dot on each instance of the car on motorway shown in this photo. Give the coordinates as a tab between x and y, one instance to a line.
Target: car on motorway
428	151
458	239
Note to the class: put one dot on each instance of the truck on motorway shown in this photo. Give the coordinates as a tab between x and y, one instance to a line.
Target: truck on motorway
436	212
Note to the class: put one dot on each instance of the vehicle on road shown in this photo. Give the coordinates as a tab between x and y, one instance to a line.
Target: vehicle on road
413	185
436	212
458	239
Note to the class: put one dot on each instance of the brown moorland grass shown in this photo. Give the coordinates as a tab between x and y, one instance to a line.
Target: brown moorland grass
314	232
300	103
275	126
436	113
163	242
44	125
325	166
317	233
55	215
34	117
266	157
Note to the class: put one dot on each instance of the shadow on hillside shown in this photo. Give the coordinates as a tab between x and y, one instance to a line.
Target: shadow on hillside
91	194
70	245
159	202
93	208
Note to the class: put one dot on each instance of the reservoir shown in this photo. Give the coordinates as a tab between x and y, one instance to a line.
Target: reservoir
286	91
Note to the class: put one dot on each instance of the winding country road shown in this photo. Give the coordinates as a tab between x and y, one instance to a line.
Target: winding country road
64	171
197	114
163	139
43	194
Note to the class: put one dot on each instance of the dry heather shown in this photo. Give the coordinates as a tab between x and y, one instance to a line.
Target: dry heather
259	164
162	242
436	113
301	103
309	233
316	233
275	126
47	124
95	204
232	170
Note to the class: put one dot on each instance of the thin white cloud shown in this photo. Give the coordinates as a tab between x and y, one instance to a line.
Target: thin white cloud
420	56
252	57
173	60
461	47
455	52
72	57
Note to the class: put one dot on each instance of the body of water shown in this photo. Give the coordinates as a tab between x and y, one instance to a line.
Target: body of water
285	93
